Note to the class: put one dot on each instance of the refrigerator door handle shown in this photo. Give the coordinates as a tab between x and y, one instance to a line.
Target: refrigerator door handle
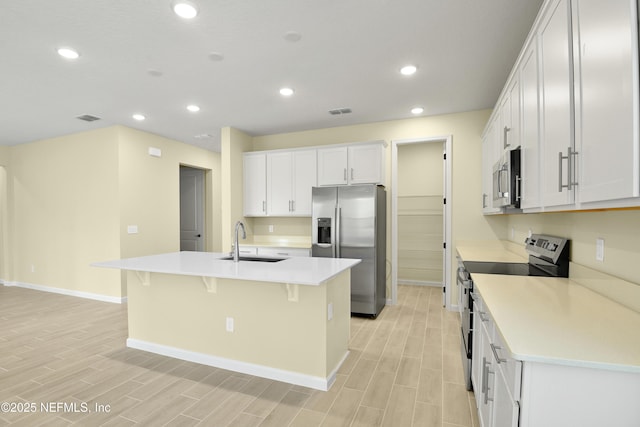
338	243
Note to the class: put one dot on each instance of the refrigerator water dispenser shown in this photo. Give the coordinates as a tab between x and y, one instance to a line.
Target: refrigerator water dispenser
324	230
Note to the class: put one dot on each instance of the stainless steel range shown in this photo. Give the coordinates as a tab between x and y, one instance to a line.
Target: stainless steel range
548	257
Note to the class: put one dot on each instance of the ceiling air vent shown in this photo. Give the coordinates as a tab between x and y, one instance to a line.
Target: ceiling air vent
339	111
88	118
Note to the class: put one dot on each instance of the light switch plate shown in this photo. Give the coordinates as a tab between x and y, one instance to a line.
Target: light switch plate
599	249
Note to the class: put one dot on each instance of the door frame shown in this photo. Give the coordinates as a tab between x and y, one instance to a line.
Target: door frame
447	142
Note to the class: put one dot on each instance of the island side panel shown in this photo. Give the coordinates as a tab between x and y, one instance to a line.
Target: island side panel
338	328
269	330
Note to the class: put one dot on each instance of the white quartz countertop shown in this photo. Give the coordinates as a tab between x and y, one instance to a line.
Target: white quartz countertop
554	320
292	270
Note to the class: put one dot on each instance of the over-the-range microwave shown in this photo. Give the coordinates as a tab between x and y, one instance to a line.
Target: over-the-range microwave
506	180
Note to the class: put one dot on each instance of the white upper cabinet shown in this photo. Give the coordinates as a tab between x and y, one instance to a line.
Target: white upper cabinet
279	182
255	186
290	177
530	128
556	79
491	149
510	116
354	164
605	52
365	164
332	166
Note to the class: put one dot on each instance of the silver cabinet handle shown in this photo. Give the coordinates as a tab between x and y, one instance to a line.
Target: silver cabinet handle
345	174
484	200
352	174
506	131
494	349
570	170
485	385
518	183
283	253
264	206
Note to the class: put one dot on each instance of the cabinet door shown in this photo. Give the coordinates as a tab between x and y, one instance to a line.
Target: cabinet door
255	187
506	410
304	179
490	148
509	132
365	164
476	357
279	183
557	104
530	128
488	379
605	56
332	166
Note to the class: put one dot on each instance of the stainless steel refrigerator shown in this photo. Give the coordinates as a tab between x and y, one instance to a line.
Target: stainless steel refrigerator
351	222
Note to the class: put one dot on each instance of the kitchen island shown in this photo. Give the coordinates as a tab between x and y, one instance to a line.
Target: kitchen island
286	320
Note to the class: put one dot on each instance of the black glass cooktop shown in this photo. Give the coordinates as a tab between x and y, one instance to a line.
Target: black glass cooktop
506	268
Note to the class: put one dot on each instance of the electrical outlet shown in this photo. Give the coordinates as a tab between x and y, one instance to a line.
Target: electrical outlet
33	268
599	249
270	228
132	229
330	311
229	324
513	233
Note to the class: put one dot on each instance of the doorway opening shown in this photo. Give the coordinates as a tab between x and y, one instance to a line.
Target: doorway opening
421	216
192	209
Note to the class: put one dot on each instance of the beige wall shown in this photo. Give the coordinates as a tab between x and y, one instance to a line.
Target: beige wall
468	223
64	212
233	144
619	229
71	198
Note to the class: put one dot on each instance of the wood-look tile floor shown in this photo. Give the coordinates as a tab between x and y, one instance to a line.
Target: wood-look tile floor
63	361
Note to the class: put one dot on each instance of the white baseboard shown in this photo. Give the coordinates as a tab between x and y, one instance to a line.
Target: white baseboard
290	377
73	293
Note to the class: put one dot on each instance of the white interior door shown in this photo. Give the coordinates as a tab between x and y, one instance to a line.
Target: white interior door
191	209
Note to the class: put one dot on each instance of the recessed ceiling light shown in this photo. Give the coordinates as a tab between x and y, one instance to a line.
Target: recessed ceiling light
68	53
186	10
286	91
417	110
193	108
139	117
408	70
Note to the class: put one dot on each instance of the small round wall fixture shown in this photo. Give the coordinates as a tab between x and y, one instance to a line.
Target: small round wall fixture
417	110
68	53
185	9
139	117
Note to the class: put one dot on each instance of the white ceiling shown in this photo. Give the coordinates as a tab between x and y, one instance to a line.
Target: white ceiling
349	55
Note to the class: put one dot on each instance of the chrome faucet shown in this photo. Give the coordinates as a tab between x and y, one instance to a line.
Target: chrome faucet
236	247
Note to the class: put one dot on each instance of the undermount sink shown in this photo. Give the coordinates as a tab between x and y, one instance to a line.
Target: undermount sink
253	258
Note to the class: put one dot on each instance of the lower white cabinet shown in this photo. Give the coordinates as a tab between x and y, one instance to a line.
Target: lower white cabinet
495	374
514	393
